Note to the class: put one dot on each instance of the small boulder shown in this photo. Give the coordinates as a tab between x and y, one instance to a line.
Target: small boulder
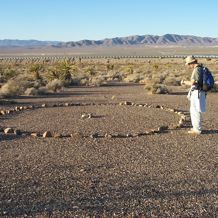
35	134
8	130
77	135
128	103
47	134
2	112
86	116
17	132
95	135
58	135
163	128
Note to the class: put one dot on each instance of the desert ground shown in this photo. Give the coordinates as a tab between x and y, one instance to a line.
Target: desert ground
111	51
115	150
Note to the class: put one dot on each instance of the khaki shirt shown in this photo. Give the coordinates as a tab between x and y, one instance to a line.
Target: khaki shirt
196	74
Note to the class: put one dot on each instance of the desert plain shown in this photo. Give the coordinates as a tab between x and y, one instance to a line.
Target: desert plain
117	145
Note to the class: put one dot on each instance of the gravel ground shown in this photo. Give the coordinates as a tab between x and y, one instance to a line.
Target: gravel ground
163	175
104	119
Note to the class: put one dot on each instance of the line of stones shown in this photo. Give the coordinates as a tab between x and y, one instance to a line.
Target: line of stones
47	134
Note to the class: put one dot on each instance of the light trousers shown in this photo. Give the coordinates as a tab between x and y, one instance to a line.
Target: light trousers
197	107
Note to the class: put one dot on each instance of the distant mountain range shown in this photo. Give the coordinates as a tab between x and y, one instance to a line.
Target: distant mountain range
8	43
136	40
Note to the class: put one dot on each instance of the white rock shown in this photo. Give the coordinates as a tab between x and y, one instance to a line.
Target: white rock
8	130
47	134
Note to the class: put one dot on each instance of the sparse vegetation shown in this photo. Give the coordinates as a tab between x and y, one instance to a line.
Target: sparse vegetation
30	77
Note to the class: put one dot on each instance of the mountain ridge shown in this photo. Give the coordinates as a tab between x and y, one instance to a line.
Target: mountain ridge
134	40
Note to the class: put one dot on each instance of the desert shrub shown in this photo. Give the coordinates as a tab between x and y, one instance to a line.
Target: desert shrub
8	74
156	79
156	66
215	75
90	71
172	81
35	70
109	67
97	81
55	85
127	69
60	71
135	78
14	87
42	91
113	75
154	86
50	74
84	81
74	69
9	89
156	89
76	82
31	91
38	83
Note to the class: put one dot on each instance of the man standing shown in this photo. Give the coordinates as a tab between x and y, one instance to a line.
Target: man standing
196	96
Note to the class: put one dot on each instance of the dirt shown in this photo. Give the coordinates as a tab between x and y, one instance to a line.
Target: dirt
171	174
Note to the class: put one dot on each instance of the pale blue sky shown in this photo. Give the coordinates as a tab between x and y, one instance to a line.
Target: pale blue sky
73	20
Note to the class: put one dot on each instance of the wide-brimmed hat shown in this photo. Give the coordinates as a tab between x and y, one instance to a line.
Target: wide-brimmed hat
190	59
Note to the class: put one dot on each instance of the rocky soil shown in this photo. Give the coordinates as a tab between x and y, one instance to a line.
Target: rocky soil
168	174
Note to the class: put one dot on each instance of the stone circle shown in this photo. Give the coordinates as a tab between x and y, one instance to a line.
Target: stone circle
183	118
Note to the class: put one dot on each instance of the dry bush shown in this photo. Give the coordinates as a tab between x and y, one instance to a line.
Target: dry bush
113	75
31	91
97	81
74	69
35	71
90	71
42	91
172	81
135	78
38	83
9	90
156	88
127	69
14	87
55	85
60	71
153	84
155	79
109	67
84	81
8	73
215	75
